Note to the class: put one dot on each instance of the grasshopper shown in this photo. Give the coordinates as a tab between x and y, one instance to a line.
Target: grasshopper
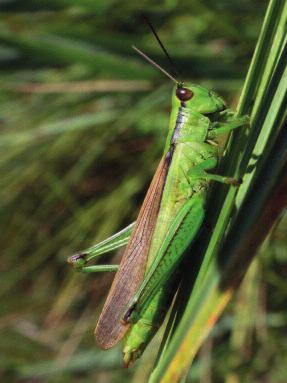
169	219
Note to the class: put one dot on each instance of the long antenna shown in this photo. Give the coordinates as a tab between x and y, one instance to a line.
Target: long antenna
161	45
155	64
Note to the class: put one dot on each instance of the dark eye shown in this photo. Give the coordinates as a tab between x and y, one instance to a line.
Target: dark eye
184	94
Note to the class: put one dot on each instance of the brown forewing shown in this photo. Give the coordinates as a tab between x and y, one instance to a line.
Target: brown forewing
110	329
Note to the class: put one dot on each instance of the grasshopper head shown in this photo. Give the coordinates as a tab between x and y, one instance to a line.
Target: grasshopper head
199	98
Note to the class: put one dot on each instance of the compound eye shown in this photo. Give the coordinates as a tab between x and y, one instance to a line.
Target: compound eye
184	94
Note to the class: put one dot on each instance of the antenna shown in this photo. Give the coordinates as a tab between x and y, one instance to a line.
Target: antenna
161	45
155	64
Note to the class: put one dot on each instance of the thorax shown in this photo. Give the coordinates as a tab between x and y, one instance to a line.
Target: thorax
190	126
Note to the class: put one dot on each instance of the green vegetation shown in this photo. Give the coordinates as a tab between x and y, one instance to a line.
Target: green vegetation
83	121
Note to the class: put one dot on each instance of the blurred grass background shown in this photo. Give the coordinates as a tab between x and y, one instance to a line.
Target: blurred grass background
83	122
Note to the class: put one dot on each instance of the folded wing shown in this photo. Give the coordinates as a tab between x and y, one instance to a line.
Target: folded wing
110	329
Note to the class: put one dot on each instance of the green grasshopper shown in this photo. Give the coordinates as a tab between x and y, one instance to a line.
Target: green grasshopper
169	220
